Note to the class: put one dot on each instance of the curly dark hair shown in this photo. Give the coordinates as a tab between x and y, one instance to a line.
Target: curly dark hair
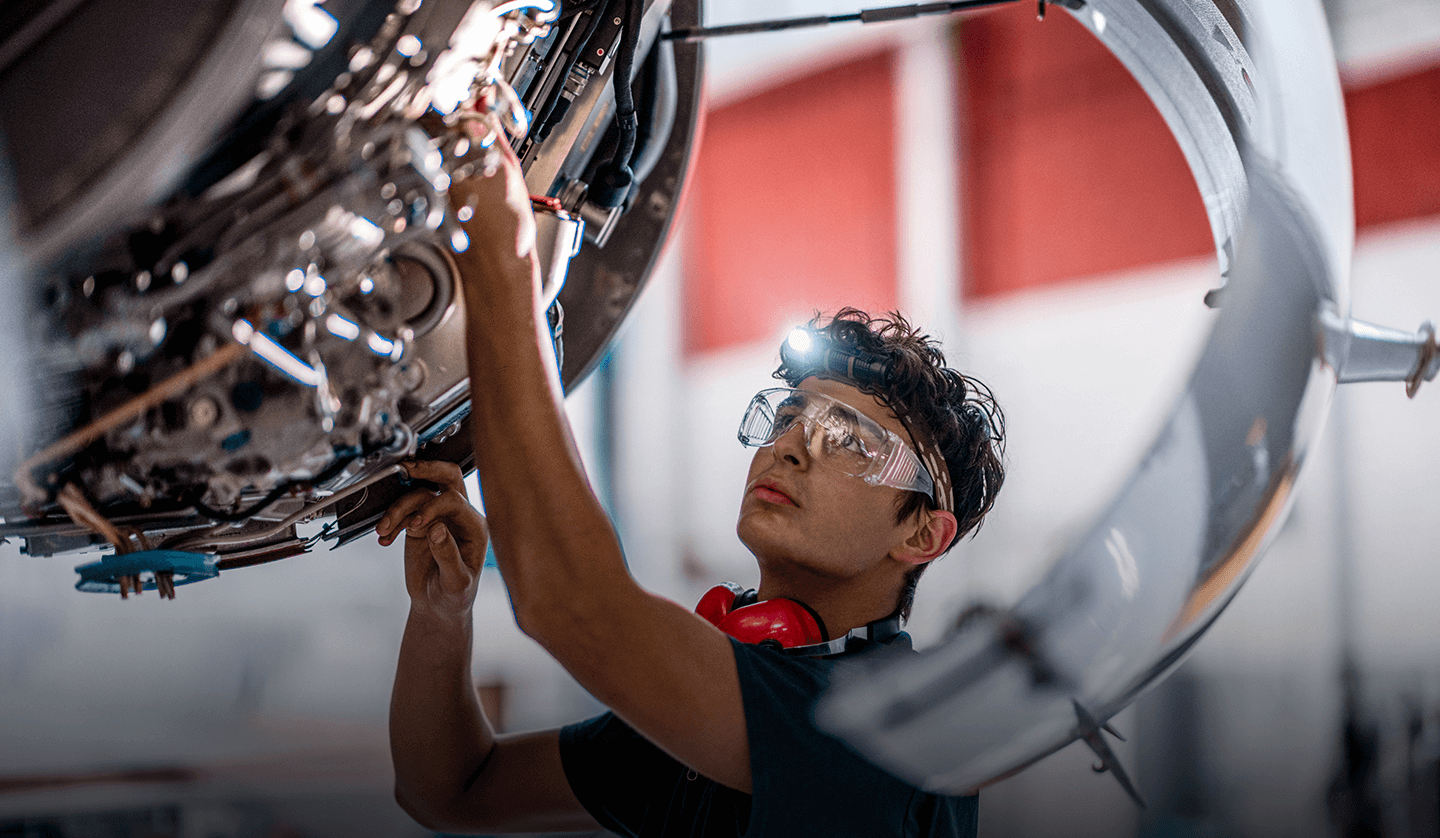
959	413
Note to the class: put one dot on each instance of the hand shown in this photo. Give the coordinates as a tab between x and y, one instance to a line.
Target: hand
445	539
501	226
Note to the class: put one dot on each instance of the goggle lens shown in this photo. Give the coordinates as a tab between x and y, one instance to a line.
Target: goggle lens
837	436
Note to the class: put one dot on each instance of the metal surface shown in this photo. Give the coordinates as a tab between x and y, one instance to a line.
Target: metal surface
1379	353
1252	95
604	282
275	317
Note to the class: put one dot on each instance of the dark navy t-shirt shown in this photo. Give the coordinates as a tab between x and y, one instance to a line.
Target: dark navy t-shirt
805	782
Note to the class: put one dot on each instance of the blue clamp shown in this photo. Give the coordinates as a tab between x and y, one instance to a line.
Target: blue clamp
103	577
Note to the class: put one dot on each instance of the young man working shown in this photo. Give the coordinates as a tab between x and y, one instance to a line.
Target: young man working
871	464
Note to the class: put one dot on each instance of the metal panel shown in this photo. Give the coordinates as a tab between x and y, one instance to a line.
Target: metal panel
1262	125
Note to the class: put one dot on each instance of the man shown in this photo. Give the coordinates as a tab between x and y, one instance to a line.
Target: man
871	464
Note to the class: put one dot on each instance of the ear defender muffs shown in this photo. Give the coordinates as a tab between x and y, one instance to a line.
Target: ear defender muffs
788	622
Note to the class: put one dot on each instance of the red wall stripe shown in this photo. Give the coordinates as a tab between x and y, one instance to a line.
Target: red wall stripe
1068	170
1395	147
793	207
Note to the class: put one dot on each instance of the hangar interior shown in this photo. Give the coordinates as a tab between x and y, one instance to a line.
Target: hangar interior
1006	183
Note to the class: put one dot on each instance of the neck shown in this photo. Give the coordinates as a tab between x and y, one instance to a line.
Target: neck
843	604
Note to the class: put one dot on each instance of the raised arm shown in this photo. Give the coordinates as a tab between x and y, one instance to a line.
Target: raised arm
662	669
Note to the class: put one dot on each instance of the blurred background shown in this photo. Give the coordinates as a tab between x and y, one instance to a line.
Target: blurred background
1005	183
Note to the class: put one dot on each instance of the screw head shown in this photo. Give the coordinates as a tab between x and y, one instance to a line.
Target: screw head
203	412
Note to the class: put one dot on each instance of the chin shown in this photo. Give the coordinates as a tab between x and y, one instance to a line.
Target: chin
764	537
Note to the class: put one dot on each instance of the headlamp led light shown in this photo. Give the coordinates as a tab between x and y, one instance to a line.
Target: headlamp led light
805	352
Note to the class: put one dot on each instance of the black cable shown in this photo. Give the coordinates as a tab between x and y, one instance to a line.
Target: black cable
569	10
649	87
271	496
625	97
882	15
612	182
599	9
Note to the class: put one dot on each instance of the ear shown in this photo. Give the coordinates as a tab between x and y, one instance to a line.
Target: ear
934	530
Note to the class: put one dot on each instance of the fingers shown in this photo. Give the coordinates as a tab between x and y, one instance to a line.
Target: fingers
448	508
390	524
444	474
501	221
455	575
452	511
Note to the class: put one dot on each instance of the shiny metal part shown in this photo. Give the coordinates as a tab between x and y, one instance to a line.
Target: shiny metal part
558	236
1376	353
287	324
212	540
1251	92
1090	731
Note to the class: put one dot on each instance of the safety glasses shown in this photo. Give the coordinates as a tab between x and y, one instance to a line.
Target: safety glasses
837	436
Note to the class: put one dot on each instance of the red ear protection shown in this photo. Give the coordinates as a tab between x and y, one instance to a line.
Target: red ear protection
785	621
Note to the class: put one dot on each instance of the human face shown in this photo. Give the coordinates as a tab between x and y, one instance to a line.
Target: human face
798	514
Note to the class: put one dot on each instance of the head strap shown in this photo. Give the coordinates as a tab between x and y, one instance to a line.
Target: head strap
880	631
943	495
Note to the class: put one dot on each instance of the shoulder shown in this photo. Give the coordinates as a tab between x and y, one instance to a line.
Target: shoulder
765	663
794	763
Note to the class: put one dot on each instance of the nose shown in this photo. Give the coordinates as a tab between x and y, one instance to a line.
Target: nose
792	445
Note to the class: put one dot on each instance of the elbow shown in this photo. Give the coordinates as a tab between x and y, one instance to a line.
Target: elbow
416	809
426	813
562	614
555	622
533	622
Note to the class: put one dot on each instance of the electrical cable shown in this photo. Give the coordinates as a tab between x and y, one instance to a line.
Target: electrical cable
625	118
545	114
660	95
612	182
882	15
271	496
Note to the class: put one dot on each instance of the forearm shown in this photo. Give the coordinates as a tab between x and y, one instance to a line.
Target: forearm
439	735
553	540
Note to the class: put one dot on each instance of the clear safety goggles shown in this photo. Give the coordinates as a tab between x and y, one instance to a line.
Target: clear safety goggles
837	436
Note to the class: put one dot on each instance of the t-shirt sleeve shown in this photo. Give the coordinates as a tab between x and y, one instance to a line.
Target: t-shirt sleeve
606	762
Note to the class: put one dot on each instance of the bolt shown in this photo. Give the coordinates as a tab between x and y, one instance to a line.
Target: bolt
203	412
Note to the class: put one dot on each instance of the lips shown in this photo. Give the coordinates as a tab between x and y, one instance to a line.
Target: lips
770	491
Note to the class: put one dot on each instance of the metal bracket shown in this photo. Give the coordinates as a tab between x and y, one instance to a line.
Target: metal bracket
1088	729
1362	351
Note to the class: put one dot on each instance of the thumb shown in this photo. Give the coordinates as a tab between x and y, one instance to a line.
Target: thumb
454	576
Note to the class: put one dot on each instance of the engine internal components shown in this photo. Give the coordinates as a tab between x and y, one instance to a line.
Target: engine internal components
274	333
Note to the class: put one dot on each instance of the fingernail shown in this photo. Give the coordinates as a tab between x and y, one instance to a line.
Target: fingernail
437	533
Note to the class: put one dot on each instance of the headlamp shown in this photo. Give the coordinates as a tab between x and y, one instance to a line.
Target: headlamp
806	351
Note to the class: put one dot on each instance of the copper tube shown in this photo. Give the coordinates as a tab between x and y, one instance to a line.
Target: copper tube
78	439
